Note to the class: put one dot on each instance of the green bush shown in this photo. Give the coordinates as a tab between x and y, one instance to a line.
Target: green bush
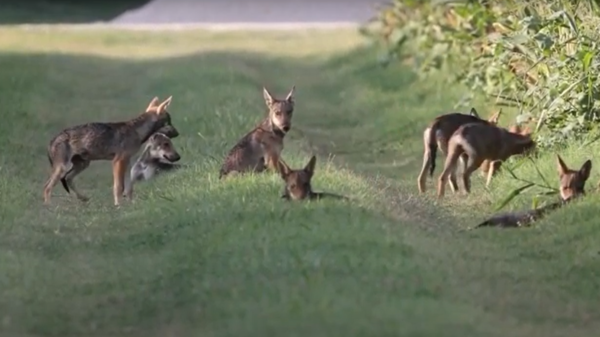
542	57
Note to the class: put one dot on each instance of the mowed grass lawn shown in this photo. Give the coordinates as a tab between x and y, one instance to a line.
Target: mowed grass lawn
195	256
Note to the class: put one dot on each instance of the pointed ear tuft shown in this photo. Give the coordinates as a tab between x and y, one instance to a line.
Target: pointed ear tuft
153	103
163	106
310	166
267	96
496	117
562	167
290	95
474	112
586	169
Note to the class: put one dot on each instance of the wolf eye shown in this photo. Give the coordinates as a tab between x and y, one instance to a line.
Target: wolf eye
293	186
165	145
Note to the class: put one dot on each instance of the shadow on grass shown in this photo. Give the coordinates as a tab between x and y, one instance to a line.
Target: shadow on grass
64	11
196	254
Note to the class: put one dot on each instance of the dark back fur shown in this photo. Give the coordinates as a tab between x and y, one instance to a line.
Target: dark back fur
448	124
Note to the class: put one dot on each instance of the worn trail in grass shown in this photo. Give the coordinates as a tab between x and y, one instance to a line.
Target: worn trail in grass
195	255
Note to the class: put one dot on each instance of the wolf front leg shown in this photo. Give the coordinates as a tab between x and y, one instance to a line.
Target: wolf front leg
272	162
136	173
120	166
271	156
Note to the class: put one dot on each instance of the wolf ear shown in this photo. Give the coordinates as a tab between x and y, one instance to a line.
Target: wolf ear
562	167
283	168
310	167
268	97
585	169
495	117
152	104
290	95
474	112
163	106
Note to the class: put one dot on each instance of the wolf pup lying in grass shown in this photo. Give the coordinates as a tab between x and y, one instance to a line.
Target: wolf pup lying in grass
297	182
71	151
437	135
572	186
159	155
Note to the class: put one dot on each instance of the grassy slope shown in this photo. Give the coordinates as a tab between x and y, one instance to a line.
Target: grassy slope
229	258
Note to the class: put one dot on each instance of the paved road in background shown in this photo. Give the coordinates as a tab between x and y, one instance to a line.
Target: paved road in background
251	12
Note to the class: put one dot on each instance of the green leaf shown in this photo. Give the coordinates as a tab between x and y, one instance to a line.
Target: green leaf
537	170
512	195
397	36
534	202
587	60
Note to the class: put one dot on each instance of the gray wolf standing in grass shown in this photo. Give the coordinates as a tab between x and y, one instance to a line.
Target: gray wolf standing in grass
71	151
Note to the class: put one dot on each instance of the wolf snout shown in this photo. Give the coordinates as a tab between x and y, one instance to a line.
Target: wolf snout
173	157
286	128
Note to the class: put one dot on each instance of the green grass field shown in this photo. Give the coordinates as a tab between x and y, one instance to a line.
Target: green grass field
195	256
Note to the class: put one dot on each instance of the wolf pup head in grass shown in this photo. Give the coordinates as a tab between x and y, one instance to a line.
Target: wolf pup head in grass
298	182
571	184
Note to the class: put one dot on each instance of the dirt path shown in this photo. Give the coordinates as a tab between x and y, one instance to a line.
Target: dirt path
239	12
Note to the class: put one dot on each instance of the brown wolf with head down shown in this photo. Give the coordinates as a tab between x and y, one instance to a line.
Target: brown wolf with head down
477	142
71	151
495	166
572	186
261	147
437	135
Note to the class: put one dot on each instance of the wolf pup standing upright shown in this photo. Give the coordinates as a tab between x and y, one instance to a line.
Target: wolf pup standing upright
437	135
487	165
159	155
297	182
71	151
572	186
261	147
476	142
